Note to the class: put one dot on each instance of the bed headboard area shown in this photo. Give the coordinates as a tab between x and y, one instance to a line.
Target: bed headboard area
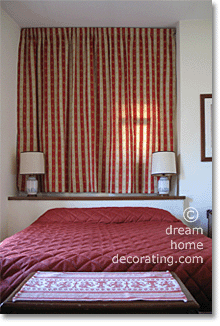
22	213
107	215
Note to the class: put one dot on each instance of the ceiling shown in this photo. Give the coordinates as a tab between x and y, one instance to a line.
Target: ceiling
163	14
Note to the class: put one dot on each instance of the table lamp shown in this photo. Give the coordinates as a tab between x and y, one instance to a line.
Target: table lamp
163	165
32	163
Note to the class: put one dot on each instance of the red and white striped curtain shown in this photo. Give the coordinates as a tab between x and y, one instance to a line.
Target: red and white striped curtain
98	102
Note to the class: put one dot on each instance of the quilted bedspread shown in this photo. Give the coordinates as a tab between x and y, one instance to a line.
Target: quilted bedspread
125	239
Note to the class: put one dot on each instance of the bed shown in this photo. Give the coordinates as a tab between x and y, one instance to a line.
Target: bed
109	239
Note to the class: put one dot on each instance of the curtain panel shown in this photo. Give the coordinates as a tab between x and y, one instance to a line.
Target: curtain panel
98	102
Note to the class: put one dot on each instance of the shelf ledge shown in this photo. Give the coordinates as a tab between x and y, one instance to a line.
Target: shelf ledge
89	197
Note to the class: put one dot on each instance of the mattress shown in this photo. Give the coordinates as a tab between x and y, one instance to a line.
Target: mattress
110	239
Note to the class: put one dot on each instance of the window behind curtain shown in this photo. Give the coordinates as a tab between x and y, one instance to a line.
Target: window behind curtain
98	102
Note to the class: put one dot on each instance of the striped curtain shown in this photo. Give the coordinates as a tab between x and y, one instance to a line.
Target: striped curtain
98	102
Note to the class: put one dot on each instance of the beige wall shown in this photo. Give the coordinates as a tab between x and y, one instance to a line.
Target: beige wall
10	33
194	75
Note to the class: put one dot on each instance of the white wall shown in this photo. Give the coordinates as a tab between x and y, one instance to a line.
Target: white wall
10	33
194	75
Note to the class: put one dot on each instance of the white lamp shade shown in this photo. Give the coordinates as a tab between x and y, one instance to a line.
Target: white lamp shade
163	163
32	163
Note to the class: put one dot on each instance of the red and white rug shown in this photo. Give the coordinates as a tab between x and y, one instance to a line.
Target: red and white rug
103	286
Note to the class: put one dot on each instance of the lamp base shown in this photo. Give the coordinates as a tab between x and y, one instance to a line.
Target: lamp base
32	186
163	186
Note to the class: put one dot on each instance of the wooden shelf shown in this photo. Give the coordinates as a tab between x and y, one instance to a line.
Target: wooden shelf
97	197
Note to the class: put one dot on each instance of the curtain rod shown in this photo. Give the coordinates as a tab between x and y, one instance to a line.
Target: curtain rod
101	27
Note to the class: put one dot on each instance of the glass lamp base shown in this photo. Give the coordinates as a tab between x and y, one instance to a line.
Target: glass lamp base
163	186
32	186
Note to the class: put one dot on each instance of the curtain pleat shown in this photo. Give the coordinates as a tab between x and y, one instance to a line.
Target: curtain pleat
98	102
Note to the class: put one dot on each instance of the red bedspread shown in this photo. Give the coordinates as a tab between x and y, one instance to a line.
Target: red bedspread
109	239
